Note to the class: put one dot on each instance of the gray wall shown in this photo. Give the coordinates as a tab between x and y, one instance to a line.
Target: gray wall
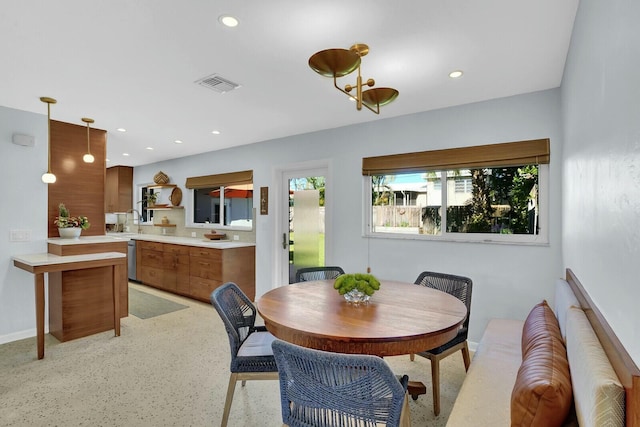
23	207
594	200
508	279
601	161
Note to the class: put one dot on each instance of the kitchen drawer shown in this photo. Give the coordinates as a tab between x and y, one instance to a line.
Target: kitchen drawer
149	245
172	261
215	254
206	268
201	288
150	258
176	249
151	276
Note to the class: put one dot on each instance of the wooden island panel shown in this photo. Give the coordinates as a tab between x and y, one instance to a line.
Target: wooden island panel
92	248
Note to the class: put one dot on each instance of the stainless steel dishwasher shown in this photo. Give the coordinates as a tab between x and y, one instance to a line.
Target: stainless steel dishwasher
131	252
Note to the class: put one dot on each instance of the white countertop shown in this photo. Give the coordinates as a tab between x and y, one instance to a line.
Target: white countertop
85	240
193	241
188	241
34	260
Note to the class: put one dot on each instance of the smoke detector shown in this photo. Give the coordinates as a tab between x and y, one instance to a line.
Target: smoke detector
217	83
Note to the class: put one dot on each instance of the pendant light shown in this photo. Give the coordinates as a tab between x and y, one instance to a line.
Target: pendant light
88	158
48	177
338	63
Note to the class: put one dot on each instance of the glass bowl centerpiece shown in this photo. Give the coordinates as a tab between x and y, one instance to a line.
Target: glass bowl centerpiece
356	288
70	226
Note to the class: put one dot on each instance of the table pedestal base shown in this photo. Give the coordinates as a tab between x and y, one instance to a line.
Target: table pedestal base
415	389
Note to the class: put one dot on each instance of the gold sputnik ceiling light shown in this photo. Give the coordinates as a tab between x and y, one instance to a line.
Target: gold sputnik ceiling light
338	63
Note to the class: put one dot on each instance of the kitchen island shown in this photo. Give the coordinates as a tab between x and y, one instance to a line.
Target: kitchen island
80	301
39	264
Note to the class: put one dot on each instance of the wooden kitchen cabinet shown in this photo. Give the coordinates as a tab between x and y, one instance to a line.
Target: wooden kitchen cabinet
151	263
118	189
211	268
176	268
195	271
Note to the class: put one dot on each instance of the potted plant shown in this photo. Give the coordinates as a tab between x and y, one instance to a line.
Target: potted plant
150	199
70	226
356	288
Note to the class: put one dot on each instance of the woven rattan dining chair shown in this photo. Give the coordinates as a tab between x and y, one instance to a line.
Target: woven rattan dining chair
251	353
459	287
318	273
324	389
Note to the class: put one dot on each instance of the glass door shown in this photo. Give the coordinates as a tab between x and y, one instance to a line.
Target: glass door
304	231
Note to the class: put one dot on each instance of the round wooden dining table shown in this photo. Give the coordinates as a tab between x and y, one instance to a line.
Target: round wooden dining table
400	318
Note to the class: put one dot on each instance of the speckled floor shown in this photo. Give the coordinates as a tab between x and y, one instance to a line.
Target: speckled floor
170	370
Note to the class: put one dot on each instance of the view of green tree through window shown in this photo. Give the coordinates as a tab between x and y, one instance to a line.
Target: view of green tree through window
502	200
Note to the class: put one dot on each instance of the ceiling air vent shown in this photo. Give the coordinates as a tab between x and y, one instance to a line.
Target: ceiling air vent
217	83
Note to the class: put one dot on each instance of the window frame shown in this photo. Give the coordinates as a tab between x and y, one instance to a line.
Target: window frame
220	181
540	239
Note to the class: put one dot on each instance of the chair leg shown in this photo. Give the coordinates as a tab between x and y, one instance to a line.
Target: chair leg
405	415
412	357
233	378
435	384
465	356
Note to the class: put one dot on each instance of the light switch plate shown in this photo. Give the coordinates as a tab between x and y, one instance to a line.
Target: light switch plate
23	235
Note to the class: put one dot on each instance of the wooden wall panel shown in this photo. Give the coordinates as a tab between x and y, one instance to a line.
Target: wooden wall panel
79	185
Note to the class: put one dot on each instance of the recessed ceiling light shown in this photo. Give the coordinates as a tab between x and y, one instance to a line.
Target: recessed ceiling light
107	160
455	74
228	21
215	132
125	154
150	148
121	130
177	141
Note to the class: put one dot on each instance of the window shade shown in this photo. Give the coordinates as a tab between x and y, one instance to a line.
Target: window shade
233	178
534	151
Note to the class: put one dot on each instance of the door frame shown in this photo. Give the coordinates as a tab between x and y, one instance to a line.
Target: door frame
281	222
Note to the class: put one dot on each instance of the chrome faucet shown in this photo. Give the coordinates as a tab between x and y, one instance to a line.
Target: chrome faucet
133	218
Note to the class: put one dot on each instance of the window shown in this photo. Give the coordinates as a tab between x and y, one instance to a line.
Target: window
145	213
498	201
221	201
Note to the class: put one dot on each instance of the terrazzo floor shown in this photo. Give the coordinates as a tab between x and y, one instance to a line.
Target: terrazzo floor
170	370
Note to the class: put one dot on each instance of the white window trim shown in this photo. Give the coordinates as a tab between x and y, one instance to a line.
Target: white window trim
540	239
188	208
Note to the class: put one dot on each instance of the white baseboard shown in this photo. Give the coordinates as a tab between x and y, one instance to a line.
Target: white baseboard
16	336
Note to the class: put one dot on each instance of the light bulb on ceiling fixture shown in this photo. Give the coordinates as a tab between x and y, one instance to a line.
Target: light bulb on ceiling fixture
48	177
88	158
228	21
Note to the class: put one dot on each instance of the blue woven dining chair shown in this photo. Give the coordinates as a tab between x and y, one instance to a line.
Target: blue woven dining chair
251	353
318	273
324	389
460	287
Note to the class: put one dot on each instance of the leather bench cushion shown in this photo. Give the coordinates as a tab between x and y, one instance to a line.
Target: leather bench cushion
598	394
540	323
542	394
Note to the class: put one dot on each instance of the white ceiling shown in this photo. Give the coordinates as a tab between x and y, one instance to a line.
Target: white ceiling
133	64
